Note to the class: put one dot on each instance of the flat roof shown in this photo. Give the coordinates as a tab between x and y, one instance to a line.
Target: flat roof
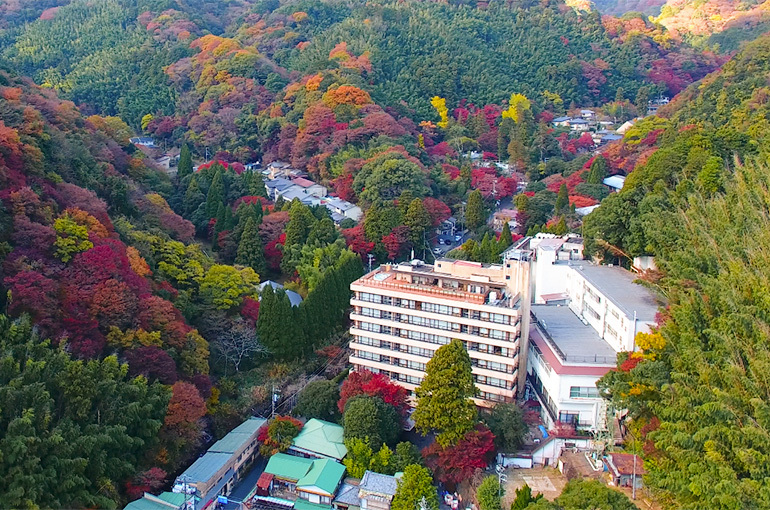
617	284
237	437
206	467
577	341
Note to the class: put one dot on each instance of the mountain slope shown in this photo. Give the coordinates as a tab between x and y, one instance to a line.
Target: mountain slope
409	52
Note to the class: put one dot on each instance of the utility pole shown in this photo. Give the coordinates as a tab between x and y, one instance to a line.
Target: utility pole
633	478
370	261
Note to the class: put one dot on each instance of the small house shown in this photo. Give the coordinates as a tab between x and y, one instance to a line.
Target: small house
561	122
374	491
320	439
343	208
309	481
626	469
614	182
310	187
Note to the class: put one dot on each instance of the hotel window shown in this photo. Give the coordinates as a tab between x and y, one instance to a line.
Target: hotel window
583	392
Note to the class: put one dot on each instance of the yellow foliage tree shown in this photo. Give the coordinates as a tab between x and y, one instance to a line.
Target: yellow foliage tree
439	103
516	107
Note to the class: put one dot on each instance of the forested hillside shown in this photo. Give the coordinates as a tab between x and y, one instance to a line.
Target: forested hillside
723	24
697	198
110	54
109	393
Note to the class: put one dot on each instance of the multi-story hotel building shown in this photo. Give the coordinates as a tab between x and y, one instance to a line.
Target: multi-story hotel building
402	313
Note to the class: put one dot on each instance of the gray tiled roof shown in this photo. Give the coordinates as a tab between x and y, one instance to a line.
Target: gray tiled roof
381	484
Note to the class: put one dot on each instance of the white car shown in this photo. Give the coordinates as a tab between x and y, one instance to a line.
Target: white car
437	250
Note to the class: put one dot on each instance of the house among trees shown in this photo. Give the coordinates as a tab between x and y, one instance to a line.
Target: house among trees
374	491
614	182
343	208
320	439
310	483
294	298
625	473
220	468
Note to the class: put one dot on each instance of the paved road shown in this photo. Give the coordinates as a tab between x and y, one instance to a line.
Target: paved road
248	482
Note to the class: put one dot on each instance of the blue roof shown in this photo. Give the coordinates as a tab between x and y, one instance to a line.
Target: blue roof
206	467
561	119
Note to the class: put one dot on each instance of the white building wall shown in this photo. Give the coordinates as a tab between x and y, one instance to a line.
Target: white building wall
558	387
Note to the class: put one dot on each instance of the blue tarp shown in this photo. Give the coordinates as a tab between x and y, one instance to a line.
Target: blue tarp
543	431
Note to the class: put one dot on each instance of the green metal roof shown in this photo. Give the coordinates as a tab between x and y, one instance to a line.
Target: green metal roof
302	504
175	498
325	474
322	437
288	466
165	501
236	438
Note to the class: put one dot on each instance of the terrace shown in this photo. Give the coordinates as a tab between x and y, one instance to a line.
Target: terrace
425	281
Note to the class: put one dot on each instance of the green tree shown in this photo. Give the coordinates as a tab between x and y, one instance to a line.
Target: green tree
598	170
580	494
524	498
250	252
193	197
185	165
387	176
562	199
73	431
710	177
488	494
359	457
415	489
216	195
506	422
370	419
444	396
642	100
405	455
71	238
474	211
506	238
225	286
278	326
418	220
319	400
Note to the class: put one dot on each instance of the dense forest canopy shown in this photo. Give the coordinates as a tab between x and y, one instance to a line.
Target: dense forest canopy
110	55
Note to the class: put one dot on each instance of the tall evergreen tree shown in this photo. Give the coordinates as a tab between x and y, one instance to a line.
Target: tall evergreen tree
474	210
444	396
418	220
193	197
250	252
185	165
506	239
216	195
598	170
276	325
562	199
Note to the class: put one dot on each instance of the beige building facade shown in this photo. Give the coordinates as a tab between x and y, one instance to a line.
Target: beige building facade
402	313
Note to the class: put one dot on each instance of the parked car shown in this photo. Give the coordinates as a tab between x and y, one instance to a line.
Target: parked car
437	250
458	237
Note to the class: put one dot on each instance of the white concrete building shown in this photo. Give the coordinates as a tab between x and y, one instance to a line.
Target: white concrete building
587	314
402	313
566	358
